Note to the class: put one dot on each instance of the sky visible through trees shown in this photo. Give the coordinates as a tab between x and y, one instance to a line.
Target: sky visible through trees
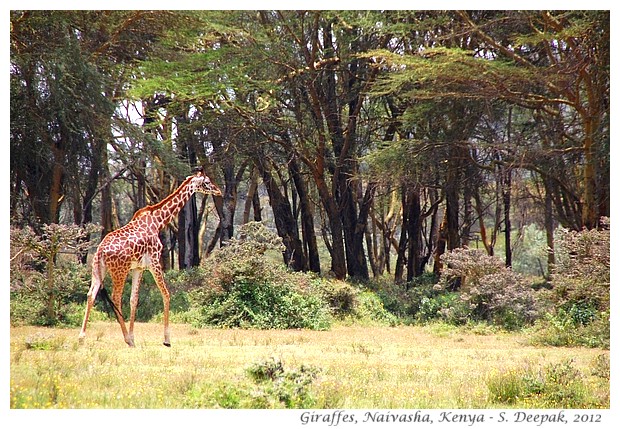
370	141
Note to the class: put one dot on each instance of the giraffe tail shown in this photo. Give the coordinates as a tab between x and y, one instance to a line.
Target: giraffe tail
96	283
110	305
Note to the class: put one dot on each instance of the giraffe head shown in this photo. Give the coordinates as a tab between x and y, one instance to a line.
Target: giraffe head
203	184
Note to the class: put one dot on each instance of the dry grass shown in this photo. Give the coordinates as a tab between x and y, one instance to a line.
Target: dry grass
359	367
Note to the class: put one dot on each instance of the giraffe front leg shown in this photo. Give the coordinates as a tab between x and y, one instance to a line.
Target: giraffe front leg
165	294
136	277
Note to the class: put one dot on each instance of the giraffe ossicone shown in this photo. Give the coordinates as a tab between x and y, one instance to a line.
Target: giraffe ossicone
136	247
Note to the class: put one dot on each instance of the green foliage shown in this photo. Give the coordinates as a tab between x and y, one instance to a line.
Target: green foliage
271	386
370	310
582	274
277	387
403	300
41	341
560	329
45	283
580	296
558	385
244	288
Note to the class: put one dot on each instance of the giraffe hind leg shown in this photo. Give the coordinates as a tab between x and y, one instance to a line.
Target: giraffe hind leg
117	294
96	279
90	301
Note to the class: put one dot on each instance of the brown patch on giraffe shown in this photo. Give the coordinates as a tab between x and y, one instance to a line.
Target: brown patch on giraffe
136	247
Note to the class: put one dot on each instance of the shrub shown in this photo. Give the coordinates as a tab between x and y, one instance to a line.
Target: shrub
559	329
503	299
602	366
44	281
580	294
463	268
582	276
557	385
30	304
278	387
245	288
405	300
369	309
341	297
489	291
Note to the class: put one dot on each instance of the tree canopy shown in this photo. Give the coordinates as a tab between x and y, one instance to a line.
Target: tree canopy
359	136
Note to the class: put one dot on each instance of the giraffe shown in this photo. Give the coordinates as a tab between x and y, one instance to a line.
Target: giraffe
136	247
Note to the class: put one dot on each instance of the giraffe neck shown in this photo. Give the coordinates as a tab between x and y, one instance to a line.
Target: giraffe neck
161	214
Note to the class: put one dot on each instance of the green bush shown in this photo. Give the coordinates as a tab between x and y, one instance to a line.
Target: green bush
406	300
560	329
245	288
369	310
44	278
277	386
580	293
30	303
342	297
557	385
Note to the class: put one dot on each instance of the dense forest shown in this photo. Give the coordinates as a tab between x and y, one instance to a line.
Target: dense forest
371	142
398	132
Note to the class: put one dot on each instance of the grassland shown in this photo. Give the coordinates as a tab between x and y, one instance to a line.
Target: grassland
433	366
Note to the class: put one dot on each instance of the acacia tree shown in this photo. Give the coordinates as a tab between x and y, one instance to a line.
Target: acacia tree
566	56
67	74
554	65
55	129
465	101
323	86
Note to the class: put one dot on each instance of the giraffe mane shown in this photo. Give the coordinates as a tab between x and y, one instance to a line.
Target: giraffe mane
149	209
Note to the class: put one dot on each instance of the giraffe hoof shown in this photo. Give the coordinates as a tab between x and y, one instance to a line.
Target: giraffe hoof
167	344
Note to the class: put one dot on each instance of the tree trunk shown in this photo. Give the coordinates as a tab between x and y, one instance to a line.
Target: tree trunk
338	261
506	190
251	197
284	219
441	246
56	196
589	213
549	228
399	271
307	219
229	203
106	195
414	234
188	235
354	225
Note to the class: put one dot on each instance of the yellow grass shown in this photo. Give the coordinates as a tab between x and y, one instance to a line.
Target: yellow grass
359	367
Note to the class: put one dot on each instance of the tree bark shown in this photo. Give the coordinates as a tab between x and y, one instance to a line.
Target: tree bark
307	219
284	219
414	234
506	197
549	229
251	197
188	235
